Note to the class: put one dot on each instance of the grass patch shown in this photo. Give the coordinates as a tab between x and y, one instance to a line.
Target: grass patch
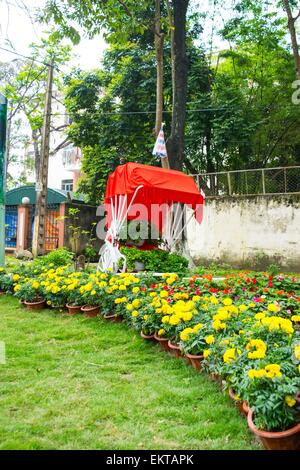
81	383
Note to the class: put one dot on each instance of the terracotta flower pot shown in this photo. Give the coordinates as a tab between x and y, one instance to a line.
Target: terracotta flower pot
113	317
282	440
216	377
38	305
73	309
21	301
174	349
195	360
147	337
162	341
90	311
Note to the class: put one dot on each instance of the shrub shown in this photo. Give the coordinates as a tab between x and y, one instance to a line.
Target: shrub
155	260
59	257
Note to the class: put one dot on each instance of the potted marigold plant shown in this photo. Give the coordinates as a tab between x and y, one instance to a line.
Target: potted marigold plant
74	299
31	293
194	341
274	416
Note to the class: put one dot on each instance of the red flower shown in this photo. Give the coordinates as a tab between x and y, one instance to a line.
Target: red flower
270	283
271	277
254	280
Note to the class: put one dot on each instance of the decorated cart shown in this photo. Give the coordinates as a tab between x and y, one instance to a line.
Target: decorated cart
167	199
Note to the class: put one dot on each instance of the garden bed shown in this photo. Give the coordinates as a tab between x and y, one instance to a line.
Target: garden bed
245	329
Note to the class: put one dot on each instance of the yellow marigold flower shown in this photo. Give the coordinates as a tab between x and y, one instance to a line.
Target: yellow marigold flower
229	355
136	303
252	373
290	401
135	313
259	347
243	308
273	308
16	277
210	339
122	287
241	332
196	298
206	353
197	327
17	287
218	325
295	318
129	307
259	315
185	334
164	293
135	289
297	352
187	316
174	320
165	319
49	302
299	368
146	317
213	300
251	305
227	301
93	292
273	370
161	332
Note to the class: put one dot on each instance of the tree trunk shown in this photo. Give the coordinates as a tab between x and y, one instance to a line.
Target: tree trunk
159	44
175	143
171	24
292	30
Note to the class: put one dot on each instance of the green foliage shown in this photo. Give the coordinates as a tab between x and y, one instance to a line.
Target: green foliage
155	260
58	257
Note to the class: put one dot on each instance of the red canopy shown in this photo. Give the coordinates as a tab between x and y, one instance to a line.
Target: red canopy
160	185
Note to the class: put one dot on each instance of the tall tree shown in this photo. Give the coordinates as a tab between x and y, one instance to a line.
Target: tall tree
288	5
123	21
175	143
26	91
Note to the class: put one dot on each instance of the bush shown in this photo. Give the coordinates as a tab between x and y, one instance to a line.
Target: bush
59	257
155	260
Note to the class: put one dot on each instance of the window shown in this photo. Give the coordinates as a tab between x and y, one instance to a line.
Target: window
67	185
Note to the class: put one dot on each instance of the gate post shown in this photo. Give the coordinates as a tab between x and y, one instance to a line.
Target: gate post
61	225
23	227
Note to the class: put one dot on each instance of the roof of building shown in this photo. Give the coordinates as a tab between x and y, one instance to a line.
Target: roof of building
54	196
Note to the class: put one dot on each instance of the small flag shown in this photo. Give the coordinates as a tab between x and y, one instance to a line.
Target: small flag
160	149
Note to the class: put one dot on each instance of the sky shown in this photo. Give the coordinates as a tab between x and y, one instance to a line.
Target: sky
17	28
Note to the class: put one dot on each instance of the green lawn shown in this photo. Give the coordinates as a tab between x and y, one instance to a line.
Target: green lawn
80	383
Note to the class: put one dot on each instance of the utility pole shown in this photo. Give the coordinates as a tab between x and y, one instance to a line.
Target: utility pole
3	120
42	177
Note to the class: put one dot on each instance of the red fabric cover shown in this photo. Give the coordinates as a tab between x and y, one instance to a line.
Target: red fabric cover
160	186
